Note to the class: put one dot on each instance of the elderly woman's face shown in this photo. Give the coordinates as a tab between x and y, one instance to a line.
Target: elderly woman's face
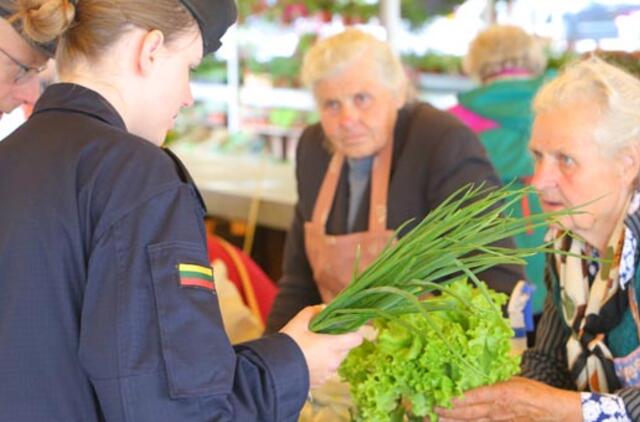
357	111
571	170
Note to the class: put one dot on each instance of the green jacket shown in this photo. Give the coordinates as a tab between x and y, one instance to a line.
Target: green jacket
500	114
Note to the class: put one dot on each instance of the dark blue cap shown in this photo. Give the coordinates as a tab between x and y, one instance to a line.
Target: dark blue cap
214	17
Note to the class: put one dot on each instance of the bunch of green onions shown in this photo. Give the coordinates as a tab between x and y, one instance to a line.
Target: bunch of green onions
455	239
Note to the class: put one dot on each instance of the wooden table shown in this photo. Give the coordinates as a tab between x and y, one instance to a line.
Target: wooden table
229	183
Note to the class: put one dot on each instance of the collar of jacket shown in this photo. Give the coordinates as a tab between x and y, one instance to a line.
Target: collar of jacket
78	99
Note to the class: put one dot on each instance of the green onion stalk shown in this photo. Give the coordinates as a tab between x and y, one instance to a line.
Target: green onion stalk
456	239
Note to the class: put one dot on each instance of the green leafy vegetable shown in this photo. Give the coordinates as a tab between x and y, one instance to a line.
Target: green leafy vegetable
424	359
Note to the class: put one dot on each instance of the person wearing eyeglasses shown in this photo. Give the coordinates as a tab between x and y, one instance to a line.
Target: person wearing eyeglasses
20	62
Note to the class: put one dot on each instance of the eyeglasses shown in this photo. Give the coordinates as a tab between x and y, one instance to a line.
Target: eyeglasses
25	73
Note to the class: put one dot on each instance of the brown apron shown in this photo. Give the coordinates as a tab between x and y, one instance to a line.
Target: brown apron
332	257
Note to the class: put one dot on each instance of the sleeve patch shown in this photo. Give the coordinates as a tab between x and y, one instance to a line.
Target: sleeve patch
193	275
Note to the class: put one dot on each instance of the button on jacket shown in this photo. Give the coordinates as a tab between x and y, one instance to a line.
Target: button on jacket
98	320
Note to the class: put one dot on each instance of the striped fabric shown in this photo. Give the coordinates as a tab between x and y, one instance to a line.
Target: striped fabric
547	360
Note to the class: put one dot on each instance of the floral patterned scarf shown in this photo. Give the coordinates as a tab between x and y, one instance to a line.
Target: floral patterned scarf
593	301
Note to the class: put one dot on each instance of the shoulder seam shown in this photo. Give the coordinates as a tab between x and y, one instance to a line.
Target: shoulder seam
104	227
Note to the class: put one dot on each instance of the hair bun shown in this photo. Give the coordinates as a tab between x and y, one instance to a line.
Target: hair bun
46	20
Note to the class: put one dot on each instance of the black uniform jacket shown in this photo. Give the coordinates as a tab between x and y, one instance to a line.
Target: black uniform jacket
98	320
433	156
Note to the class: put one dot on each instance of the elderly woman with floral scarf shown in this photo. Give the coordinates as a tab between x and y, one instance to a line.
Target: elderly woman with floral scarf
585	364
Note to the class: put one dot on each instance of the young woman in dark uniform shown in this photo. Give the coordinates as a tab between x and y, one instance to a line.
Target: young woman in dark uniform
108	309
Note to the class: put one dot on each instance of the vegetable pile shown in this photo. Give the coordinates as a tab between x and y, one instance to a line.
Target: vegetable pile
424	359
429	351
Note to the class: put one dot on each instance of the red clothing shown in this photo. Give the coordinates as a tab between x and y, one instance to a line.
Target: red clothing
257	289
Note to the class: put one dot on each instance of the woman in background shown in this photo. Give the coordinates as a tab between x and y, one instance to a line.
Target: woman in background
509	64
375	161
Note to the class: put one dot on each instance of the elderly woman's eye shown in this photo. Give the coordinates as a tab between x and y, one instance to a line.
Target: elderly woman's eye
566	160
331	105
362	98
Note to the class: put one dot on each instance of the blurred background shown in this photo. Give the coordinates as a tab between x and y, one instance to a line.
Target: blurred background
239	139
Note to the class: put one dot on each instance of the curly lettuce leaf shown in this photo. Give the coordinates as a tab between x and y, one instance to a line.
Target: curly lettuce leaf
420	361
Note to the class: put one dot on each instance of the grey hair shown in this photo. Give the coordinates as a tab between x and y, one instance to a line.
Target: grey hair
615	92
504	47
334	54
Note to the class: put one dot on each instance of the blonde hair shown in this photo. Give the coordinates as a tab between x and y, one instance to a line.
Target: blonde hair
504	47
85	28
334	54
615	92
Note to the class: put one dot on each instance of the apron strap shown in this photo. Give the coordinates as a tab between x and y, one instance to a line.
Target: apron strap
381	170
380	188
327	191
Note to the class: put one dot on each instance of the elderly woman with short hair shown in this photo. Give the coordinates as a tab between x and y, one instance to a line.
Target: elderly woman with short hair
585	364
504	50
374	161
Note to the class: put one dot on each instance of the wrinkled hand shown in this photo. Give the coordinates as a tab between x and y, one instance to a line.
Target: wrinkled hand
518	399
323	352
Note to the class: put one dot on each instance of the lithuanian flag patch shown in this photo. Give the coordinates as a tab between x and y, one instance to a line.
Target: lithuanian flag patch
192	275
